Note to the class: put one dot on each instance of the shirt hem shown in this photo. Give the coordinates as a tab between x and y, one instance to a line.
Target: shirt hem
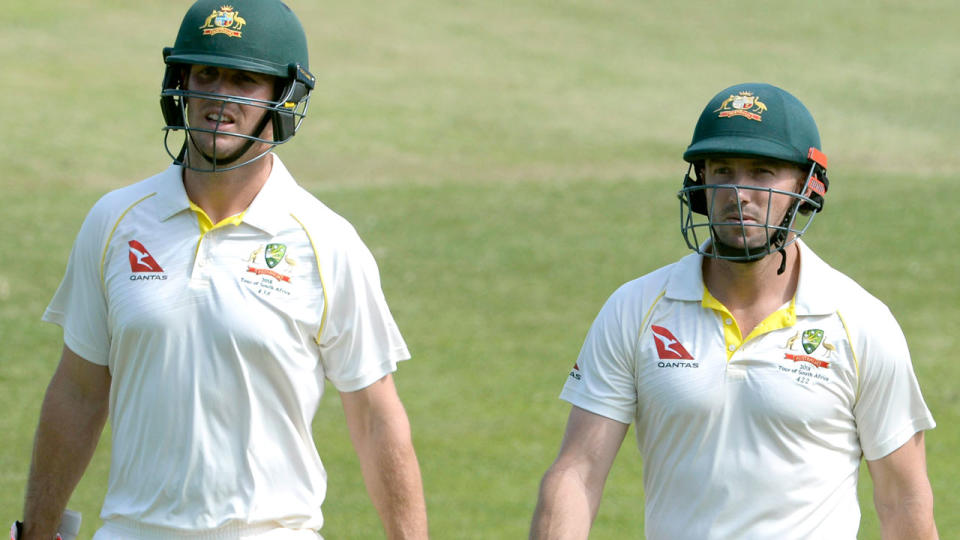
595	406
898	439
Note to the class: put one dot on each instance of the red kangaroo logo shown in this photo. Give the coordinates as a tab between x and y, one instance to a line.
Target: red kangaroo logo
141	260
669	347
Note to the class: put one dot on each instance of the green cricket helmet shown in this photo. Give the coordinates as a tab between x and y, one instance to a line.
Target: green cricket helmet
752	120
260	36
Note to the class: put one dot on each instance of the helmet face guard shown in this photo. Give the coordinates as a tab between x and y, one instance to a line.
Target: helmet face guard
699	224
259	36
285	114
752	120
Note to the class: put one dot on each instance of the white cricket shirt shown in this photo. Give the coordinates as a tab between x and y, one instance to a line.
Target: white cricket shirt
758	437
218	339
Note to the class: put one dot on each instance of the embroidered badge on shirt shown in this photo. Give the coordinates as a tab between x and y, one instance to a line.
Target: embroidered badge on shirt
812	366
276	277
274	254
810	341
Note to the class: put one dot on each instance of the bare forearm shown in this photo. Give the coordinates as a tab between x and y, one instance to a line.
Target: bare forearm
67	434
392	475
571	489
565	508
908	518
381	436
902	493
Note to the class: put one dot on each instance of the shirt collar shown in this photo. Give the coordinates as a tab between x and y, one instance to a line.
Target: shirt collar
814	294
265	212
270	208
686	279
171	196
815	286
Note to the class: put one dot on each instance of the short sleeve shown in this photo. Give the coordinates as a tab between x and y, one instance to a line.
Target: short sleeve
890	408
603	379
79	306
360	342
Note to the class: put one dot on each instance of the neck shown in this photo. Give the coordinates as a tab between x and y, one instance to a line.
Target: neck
754	285
226	193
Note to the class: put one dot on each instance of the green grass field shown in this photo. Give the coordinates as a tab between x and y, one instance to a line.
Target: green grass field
510	164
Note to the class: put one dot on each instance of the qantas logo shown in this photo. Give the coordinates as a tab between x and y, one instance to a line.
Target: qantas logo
672	354
668	347
575	372
142	262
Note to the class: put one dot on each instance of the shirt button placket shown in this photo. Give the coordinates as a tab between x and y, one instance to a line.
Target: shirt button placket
203	258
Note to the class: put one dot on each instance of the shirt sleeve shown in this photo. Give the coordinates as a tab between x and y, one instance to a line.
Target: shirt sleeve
890	408
603	379
360	342
79	305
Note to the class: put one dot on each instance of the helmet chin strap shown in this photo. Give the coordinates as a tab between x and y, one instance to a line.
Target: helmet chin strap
738	254
224	161
783	261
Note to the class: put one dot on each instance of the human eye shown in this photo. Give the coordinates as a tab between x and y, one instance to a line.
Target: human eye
251	84
206	74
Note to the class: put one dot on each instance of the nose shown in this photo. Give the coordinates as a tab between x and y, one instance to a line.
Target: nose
220	85
734	195
741	177
745	189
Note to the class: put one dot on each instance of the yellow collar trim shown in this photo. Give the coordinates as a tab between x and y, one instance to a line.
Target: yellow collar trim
207	225
782	318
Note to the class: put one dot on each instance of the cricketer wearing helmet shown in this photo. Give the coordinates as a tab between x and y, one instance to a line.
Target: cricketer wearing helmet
741	124
205	308
254	49
757	376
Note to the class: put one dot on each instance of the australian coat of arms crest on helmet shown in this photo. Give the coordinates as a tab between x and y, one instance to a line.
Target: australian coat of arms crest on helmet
744	104
224	21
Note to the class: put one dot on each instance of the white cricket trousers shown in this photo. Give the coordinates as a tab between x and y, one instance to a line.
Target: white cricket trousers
131	530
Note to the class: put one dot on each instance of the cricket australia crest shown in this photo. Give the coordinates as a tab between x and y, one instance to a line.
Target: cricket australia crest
274	254
811	339
278	276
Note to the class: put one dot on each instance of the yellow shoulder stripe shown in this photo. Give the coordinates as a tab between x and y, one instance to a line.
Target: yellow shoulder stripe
323	285
646	316
106	245
853	354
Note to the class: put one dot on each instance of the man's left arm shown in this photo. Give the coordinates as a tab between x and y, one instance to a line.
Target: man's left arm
902	493
380	432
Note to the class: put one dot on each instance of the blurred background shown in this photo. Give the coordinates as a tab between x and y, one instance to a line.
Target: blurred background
510	164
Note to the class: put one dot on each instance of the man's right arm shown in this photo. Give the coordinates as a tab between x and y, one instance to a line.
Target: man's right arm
572	487
72	417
